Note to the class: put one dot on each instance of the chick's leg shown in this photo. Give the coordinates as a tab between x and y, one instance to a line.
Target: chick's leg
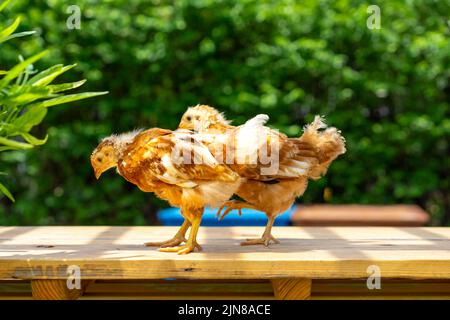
177	239
266	237
233	205
191	243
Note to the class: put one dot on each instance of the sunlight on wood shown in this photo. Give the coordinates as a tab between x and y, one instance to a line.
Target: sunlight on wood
308	252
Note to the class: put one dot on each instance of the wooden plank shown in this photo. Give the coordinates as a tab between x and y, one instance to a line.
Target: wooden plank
242	289
55	290
388	287
304	252
15	289
292	289
180	287
360	215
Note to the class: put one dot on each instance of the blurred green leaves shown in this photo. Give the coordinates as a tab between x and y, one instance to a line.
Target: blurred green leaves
24	102
387	90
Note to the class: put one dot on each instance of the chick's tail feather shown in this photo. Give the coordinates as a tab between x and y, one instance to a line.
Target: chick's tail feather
328	142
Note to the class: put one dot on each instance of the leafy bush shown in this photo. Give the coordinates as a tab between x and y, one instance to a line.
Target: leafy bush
388	90
24	102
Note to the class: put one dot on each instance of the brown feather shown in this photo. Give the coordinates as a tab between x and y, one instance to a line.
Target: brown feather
300	159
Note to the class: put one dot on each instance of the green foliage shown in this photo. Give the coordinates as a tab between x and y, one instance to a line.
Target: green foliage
387	90
24	102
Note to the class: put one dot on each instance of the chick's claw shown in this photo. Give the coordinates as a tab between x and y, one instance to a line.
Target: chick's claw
265	240
168	243
227	211
184	249
231	205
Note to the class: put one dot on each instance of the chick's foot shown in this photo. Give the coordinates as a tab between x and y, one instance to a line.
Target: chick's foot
264	240
232	205
175	241
184	249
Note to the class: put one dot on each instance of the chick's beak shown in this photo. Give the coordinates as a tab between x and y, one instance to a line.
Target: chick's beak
182	125
98	170
97	173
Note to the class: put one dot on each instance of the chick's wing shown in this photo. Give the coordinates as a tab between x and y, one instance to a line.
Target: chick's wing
180	159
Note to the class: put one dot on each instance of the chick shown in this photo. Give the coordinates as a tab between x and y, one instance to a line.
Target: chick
177	168
271	189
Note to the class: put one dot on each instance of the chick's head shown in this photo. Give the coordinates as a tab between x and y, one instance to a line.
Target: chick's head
104	157
201	117
110	150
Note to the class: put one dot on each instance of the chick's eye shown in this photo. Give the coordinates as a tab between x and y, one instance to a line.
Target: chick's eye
99	159
188	118
197	118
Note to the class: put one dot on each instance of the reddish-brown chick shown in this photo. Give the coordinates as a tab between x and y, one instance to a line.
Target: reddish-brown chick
177	168
268	187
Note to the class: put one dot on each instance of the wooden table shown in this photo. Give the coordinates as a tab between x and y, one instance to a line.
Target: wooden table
398	215
310	262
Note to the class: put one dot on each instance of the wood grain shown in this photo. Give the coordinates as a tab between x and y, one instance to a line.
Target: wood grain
305	252
55	290
241	289
292	289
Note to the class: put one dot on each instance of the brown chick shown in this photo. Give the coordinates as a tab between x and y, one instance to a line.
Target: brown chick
272	191
177	168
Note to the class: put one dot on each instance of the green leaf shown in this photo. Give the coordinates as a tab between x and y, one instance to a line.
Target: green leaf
47	76
33	140
27	94
9	129
9	30
18	35
6	192
55	88
15	144
16	70
43	74
31	117
70	98
4	4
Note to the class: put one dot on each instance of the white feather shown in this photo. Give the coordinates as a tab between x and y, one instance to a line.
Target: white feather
251	137
258	120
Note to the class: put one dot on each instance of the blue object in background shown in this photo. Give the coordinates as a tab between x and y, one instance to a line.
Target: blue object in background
250	217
